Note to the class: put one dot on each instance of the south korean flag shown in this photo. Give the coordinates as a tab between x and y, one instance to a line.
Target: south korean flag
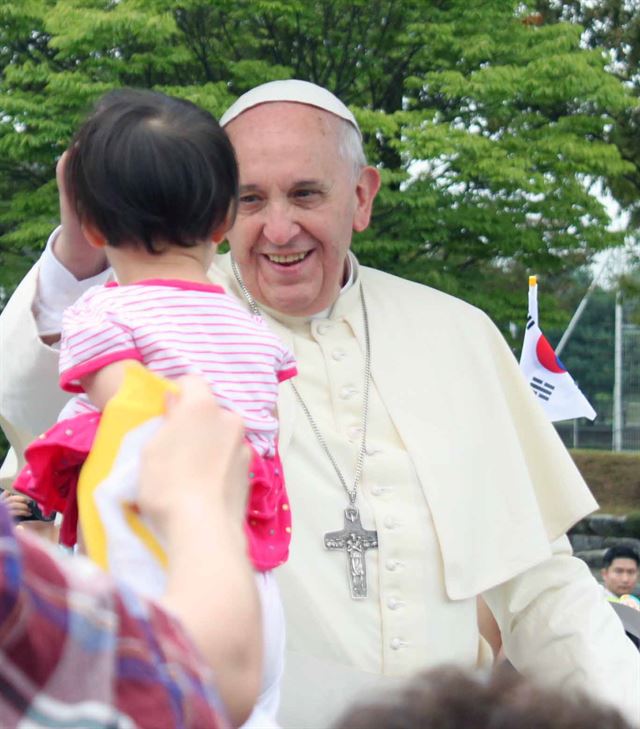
550	382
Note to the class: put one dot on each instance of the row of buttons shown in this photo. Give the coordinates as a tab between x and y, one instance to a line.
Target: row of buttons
346	393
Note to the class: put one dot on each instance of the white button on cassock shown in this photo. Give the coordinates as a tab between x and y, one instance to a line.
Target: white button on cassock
348	391
338	354
390	522
396	643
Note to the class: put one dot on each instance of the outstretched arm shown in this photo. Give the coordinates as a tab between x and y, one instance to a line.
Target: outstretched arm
30	399
71	247
193	485
143	662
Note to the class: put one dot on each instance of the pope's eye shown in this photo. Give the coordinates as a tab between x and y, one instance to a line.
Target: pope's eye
305	193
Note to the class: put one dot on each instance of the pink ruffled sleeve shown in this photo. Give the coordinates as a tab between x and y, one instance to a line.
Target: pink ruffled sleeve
93	336
287	366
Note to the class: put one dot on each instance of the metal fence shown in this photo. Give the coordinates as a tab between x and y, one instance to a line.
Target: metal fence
579	434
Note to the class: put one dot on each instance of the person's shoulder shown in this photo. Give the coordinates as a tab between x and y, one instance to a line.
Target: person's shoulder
416	296
92	299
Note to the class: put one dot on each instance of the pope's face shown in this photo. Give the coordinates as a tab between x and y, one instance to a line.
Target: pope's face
300	202
621	576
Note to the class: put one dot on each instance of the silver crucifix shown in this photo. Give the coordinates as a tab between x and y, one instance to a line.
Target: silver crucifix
355	540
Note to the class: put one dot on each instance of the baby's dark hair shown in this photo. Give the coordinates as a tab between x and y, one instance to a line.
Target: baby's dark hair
153	170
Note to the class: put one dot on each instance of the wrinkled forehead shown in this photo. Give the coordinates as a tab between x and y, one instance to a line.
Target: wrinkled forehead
284	114
284	124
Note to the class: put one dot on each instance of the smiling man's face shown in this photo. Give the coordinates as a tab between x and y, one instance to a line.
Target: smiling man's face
300	202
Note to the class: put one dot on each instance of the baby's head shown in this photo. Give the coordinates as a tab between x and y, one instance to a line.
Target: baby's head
152	171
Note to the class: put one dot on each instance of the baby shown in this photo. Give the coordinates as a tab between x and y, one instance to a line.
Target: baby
154	182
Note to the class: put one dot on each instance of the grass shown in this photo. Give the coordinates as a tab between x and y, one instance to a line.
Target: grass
614	479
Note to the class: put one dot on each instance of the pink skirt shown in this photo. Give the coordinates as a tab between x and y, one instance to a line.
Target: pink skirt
54	461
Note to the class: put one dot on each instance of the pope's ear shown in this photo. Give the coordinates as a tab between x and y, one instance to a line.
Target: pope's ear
93	235
366	190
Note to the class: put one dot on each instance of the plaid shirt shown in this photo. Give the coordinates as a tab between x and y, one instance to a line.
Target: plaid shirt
75	651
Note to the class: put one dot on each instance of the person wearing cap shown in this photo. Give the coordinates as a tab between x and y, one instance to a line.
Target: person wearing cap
421	471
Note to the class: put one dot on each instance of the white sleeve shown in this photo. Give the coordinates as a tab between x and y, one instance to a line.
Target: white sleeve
558	629
30	398
57	288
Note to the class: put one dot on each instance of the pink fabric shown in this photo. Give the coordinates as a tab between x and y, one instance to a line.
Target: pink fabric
173	328
176	328
75	374
174	283
54	461
268	524
53	467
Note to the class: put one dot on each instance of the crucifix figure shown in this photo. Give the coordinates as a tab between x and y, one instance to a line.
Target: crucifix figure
355	540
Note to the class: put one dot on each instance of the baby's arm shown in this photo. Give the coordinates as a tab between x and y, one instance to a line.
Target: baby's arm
101	385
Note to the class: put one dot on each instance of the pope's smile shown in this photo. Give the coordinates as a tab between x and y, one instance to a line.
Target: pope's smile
286	261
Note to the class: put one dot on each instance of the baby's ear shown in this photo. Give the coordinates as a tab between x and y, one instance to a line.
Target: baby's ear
93	235
218	234
221	231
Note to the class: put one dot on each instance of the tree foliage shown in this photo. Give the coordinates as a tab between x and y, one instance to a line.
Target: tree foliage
490	129
614	26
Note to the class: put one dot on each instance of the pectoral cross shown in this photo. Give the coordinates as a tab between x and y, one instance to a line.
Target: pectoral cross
355	540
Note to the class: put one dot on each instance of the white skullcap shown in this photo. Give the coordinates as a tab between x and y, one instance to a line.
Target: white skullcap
300	92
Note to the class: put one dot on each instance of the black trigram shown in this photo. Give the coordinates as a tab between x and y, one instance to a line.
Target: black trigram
530	321
541	389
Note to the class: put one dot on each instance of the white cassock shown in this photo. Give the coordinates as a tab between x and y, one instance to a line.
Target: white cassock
468	485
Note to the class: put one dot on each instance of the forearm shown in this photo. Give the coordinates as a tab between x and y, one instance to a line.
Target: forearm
29	396
211	589
557	628
30	399
76	255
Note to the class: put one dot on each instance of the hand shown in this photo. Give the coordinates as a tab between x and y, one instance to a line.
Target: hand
193	485
196	461
18	505
71	247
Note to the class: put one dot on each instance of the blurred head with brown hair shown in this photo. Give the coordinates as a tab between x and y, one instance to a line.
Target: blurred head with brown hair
449	698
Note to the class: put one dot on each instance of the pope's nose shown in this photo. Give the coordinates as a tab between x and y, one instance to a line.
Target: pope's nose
279	226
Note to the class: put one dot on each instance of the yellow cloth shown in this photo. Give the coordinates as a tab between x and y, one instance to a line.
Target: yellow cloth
114	534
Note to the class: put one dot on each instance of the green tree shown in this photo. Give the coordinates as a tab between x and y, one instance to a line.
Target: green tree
613	25
489	130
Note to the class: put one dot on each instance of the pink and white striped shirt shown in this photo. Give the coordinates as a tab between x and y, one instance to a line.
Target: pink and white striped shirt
176	328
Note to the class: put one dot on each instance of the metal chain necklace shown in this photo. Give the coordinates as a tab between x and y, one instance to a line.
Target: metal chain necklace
353	538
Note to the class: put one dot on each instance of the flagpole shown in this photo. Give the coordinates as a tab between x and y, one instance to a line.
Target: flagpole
578	312
617	377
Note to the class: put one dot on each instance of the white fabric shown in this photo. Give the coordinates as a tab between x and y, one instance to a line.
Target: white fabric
57	289
301	92
487	467
266	708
